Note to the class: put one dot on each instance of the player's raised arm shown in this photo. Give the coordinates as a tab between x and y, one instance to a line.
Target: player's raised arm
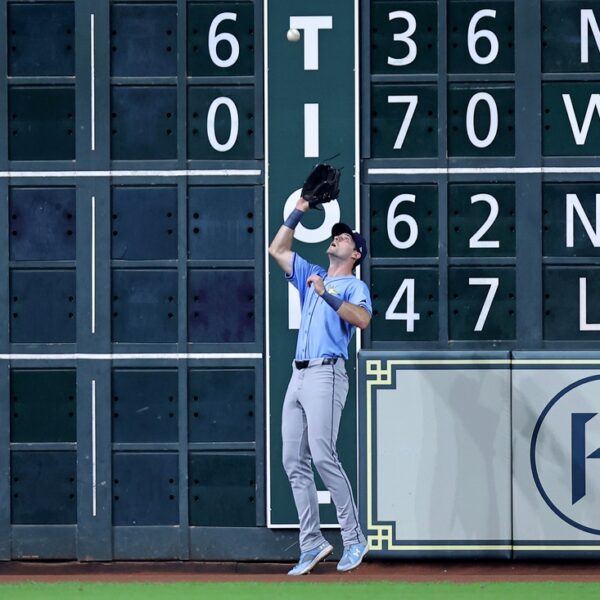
321	186
281	246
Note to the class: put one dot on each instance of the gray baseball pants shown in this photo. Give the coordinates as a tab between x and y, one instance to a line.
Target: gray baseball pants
311	416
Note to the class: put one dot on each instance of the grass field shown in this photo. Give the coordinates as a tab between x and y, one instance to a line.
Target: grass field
296	591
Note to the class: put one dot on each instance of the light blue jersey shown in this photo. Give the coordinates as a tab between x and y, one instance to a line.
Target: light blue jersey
322	332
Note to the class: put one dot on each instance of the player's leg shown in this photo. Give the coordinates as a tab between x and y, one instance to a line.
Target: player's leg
297	464
323	397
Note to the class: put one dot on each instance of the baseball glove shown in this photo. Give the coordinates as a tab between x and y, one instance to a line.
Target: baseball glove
322	185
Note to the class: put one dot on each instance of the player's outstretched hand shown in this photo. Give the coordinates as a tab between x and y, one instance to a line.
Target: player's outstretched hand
317	282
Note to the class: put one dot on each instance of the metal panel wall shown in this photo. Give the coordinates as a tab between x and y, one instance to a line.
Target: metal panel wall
480	454
436	453
132	239
555	440
499	127
132	165
496	132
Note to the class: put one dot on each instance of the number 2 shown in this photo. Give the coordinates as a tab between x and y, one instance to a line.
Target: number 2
475	240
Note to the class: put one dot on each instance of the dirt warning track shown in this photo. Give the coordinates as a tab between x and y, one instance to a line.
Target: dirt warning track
409	571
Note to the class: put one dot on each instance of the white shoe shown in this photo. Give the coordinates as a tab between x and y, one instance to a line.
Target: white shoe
309	559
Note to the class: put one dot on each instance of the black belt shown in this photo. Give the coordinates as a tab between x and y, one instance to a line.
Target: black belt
303	364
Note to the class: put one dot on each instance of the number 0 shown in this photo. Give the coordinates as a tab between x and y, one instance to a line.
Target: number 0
210	124
493	109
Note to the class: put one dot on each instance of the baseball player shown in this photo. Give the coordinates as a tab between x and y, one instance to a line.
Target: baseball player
334	302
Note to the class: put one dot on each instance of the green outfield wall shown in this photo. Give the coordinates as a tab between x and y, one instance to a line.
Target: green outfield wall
149	150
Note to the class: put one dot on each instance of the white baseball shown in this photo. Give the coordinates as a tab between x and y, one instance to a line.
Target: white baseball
293	35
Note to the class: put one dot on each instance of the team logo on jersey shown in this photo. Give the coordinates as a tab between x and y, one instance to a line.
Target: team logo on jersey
565	446
332	291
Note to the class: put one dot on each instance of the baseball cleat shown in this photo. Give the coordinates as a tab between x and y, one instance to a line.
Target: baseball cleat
309	559
352	557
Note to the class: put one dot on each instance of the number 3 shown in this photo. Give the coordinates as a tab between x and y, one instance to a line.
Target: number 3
404	37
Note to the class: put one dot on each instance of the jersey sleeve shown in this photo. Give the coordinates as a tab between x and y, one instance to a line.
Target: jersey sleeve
301	271
359	294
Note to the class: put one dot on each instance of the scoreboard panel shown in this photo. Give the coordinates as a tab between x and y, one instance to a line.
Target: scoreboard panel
500	128
136	299
481	206
418	29
132	267
413	232
393	109
481	120
569	37
481	36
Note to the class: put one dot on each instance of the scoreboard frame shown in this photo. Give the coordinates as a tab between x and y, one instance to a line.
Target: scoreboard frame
528	169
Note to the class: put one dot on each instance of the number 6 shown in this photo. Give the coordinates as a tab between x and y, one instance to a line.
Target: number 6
490	36
214	39
393	221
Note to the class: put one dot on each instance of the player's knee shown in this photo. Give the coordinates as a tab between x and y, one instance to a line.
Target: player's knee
290	461
324	460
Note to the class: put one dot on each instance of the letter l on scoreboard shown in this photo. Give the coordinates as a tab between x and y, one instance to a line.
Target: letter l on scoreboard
311	116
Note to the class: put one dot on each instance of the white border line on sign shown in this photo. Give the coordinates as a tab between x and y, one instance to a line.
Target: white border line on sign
357	207
93	447
93	274
134	356
136	173
92	84
266	277
481	170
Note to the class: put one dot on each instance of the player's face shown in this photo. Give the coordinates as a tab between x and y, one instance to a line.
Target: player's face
342	246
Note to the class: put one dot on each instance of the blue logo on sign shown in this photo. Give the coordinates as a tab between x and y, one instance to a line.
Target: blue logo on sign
579	459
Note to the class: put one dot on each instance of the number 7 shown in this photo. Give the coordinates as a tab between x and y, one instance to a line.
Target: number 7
487	304
412	102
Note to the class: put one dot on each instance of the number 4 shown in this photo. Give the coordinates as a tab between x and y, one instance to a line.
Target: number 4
487	304
410	316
